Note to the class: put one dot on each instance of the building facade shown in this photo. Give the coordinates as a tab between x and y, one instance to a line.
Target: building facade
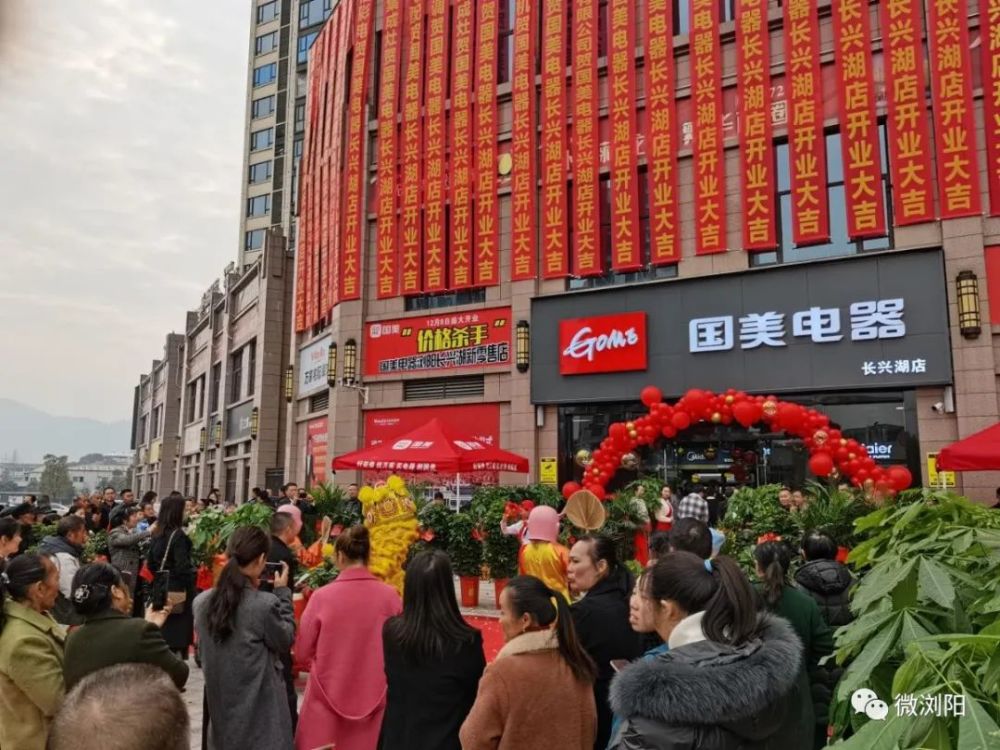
515	215
155	418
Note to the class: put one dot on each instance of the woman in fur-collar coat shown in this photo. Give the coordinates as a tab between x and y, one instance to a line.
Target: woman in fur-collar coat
724	682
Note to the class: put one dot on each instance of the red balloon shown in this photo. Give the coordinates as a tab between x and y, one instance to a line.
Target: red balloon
651	395
821	464
598	491
842	454
569	489
669	431
618	431
747	413
681	420
900	478
697	401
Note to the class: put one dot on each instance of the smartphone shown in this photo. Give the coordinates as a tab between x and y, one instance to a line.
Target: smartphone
619	664
271	570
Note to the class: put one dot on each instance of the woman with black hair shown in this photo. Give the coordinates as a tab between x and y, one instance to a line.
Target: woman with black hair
539	693
31	652
110	635
10	539
433	661
170	553
601	617
727	674
242	633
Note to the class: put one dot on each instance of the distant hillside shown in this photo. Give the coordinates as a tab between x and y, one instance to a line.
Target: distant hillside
33	433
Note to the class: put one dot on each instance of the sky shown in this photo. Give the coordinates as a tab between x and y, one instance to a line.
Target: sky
121	142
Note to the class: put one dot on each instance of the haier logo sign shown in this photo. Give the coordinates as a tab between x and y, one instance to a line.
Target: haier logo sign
879	451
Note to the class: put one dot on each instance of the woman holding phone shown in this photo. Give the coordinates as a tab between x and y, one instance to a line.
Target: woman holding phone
242	633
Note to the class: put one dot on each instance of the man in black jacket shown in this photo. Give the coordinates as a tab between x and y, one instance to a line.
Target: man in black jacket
282	535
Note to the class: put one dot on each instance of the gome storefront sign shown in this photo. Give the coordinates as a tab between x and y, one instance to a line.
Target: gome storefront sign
855	323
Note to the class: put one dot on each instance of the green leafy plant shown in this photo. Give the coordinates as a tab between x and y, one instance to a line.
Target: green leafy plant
464	548
38	533
97	544
211	530
752	512
319	576
833	511
500	550
434	520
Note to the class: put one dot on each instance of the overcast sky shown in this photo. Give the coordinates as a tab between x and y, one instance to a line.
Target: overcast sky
121	139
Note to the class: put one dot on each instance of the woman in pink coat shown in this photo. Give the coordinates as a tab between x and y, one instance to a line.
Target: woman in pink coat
340	639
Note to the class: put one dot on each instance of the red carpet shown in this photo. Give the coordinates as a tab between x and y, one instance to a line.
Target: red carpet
492	634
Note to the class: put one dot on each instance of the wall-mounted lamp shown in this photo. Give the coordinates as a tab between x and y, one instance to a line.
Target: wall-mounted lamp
350	362
203	439
522	346
254	422
969	315
331	366
218	433
289	383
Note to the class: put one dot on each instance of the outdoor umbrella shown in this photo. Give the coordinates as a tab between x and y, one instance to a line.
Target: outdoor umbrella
979	452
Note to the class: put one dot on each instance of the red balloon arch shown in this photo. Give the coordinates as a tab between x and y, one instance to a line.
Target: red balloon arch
831	454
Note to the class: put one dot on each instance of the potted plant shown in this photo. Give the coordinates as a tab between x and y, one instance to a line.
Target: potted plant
465	548
500	551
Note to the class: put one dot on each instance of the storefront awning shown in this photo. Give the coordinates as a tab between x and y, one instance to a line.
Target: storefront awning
979	452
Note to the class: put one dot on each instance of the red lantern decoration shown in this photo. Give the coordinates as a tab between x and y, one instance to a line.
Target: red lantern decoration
821	464
651	395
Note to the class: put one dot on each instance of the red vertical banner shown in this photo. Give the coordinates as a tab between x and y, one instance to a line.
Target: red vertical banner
464	35
661	133
487	216
304	241
906	112
351	247
435	239
859	141
387	278
321	56
329	62
411	230
555	263
806	143
706	91
989	40
524	183
626	238
338	78
951	87
753	64
586	156
320	225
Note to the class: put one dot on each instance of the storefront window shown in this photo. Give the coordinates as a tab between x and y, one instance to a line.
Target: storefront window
839	243
448	299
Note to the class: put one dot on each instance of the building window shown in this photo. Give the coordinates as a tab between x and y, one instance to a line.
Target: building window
839	244
300	116
157	421
305	43
251	367
260	172
312	12
216	385
261	139
505	42
267	12
446	299
264	74
196	399
259	206
255	239
266	43
236	376
297	149
263	107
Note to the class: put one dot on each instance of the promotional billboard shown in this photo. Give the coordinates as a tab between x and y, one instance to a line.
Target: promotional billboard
316	450
313	363
478	422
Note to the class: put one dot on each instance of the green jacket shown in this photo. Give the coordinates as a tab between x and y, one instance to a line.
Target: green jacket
31	676
111	638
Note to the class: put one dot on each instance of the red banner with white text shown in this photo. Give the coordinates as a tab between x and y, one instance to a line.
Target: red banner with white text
339	86
626	239
461	146
411	229
859	141
387	256
487	214
555	260
523	182
435	226
661	134
587	258
706	91
989	39
806	144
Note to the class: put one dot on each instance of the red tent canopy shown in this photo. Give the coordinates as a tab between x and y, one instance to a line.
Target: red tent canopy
979	452
431	449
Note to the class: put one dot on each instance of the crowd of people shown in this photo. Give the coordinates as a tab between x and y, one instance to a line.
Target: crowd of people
688	654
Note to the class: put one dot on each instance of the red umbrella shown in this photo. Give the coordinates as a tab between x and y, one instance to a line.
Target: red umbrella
979	452
431	449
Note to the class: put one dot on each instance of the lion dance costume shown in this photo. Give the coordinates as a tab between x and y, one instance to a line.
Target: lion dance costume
391	519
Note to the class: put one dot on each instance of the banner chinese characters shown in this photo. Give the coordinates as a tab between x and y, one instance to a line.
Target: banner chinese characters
435	242
989	40
626	238
706	91
806	143
586	209
951	87
412	152
523	182
487	264
859	141
339	87
757	145
387	282
461	146
554	203
906	112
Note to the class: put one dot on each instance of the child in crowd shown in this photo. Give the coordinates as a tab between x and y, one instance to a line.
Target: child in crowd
543	557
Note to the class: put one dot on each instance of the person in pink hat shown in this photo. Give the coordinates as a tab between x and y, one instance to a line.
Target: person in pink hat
543	557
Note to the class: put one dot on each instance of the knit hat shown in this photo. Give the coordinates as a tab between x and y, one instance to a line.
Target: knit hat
543	524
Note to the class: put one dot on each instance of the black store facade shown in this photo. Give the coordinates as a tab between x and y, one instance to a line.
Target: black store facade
853	337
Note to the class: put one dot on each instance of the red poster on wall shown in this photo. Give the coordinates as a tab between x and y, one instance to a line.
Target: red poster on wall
350	260
807	146
439	343
555	261
435	232
706	90
626	238
906	112
461	146
661	134
989	19
858	127
487	216
753	55
387	282
523	182
317	438
586	211
479	422
411	229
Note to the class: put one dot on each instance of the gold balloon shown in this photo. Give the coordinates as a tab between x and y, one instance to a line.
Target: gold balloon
716	417
820	437
630	426
630	461
730	400
583	458
770	408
